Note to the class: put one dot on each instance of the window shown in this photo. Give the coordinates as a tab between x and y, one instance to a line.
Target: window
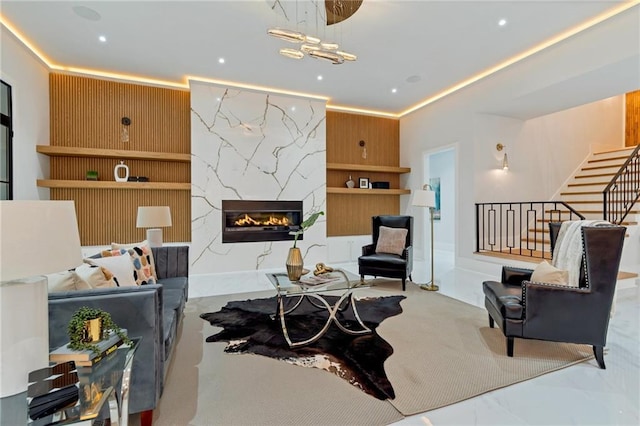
6	136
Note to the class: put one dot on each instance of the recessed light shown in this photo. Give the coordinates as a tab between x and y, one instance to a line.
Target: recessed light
319	77
394	90
293	108
502	22
221	60
102	38
218	99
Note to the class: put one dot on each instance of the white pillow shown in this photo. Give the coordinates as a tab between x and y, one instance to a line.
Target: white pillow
120	266
546	273
65	281
95	276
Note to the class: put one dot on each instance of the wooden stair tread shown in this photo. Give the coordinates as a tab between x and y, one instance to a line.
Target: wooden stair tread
609	151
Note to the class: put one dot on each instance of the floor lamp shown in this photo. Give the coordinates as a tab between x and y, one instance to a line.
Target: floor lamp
426	197
37	238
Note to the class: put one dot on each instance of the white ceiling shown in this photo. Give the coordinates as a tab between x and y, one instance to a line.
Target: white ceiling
441	42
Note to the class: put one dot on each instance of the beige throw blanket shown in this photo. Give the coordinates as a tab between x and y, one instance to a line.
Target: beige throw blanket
567	253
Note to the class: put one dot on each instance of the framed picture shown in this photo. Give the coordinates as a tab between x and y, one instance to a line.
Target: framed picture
435	186
364	182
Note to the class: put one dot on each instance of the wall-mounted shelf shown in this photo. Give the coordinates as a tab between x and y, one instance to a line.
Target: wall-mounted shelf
92	184
69	151
358	191
368	168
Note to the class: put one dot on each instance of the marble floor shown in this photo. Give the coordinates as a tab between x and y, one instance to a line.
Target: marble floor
578	395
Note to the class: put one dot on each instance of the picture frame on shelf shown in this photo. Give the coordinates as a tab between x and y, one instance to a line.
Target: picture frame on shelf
363	183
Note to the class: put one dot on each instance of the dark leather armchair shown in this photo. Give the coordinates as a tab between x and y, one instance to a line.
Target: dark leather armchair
385	264
559	313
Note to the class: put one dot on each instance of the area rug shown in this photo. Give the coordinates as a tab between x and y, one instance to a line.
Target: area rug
249	326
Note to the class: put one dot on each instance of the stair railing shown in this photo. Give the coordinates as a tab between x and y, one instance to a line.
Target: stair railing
623	191
519	228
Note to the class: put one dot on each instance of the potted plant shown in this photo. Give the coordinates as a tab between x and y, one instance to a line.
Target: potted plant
89	325
294	258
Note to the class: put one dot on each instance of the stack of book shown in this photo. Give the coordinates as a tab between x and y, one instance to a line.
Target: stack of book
88	358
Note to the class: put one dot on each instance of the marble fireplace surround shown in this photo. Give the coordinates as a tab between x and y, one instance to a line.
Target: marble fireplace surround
253	145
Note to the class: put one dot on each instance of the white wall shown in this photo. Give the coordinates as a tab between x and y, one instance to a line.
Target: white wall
251	145
29	81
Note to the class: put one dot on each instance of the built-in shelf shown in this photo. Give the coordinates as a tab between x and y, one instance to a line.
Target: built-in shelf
368	168
121	154
358	191
92	184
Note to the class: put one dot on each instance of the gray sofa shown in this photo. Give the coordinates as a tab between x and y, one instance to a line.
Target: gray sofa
153	312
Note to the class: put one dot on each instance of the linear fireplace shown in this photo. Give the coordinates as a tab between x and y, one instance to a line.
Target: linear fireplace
248	221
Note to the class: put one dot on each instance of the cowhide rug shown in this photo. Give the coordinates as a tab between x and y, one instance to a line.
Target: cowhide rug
248	328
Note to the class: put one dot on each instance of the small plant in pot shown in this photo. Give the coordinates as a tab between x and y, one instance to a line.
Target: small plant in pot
82	329
294	259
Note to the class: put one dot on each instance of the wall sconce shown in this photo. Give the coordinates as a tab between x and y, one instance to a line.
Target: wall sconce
124	133
364	149
505	160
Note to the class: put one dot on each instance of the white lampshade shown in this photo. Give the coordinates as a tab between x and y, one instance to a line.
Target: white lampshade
36	238
424	198
153	217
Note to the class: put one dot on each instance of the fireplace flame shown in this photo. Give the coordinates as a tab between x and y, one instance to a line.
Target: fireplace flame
247	220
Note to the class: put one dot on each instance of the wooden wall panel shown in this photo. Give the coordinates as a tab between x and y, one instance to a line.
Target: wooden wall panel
382	141
632	120
87	112
106	216
351	214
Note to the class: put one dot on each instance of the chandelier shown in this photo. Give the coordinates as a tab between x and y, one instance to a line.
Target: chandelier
309	45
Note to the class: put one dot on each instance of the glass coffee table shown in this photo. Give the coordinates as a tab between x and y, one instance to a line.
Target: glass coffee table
314	290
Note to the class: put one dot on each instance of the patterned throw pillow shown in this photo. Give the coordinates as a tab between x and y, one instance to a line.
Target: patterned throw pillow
391	240
142	269
144	250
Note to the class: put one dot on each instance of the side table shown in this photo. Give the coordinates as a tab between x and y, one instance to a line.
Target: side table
106	382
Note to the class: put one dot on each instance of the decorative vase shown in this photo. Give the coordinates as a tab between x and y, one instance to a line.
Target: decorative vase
294	264
350	183
116	172
92	330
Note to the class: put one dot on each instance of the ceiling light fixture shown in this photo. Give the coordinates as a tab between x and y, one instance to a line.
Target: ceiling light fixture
102	38
502	22
221	60
315	47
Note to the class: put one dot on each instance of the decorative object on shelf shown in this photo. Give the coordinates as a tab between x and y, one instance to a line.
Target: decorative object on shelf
294	258
92	175
505	160
116	172
82	331
138	179
30	231
426	197
364	149
350	183
380	185
333	12
124	133
154	217
363	183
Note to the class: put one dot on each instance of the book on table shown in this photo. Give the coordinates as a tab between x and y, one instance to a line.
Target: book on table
87	357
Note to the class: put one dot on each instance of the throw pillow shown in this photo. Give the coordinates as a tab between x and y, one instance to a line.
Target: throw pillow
144	248
545	273
95	276
120	266
65	281
391	240
142	270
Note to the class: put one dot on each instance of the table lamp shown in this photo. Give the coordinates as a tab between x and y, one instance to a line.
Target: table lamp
153	217
426	197
37	238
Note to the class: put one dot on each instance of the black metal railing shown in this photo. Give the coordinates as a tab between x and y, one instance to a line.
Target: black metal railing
519	228
623	191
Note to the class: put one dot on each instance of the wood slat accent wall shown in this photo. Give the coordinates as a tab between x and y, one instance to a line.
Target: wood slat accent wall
351	214
87	112
632	120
